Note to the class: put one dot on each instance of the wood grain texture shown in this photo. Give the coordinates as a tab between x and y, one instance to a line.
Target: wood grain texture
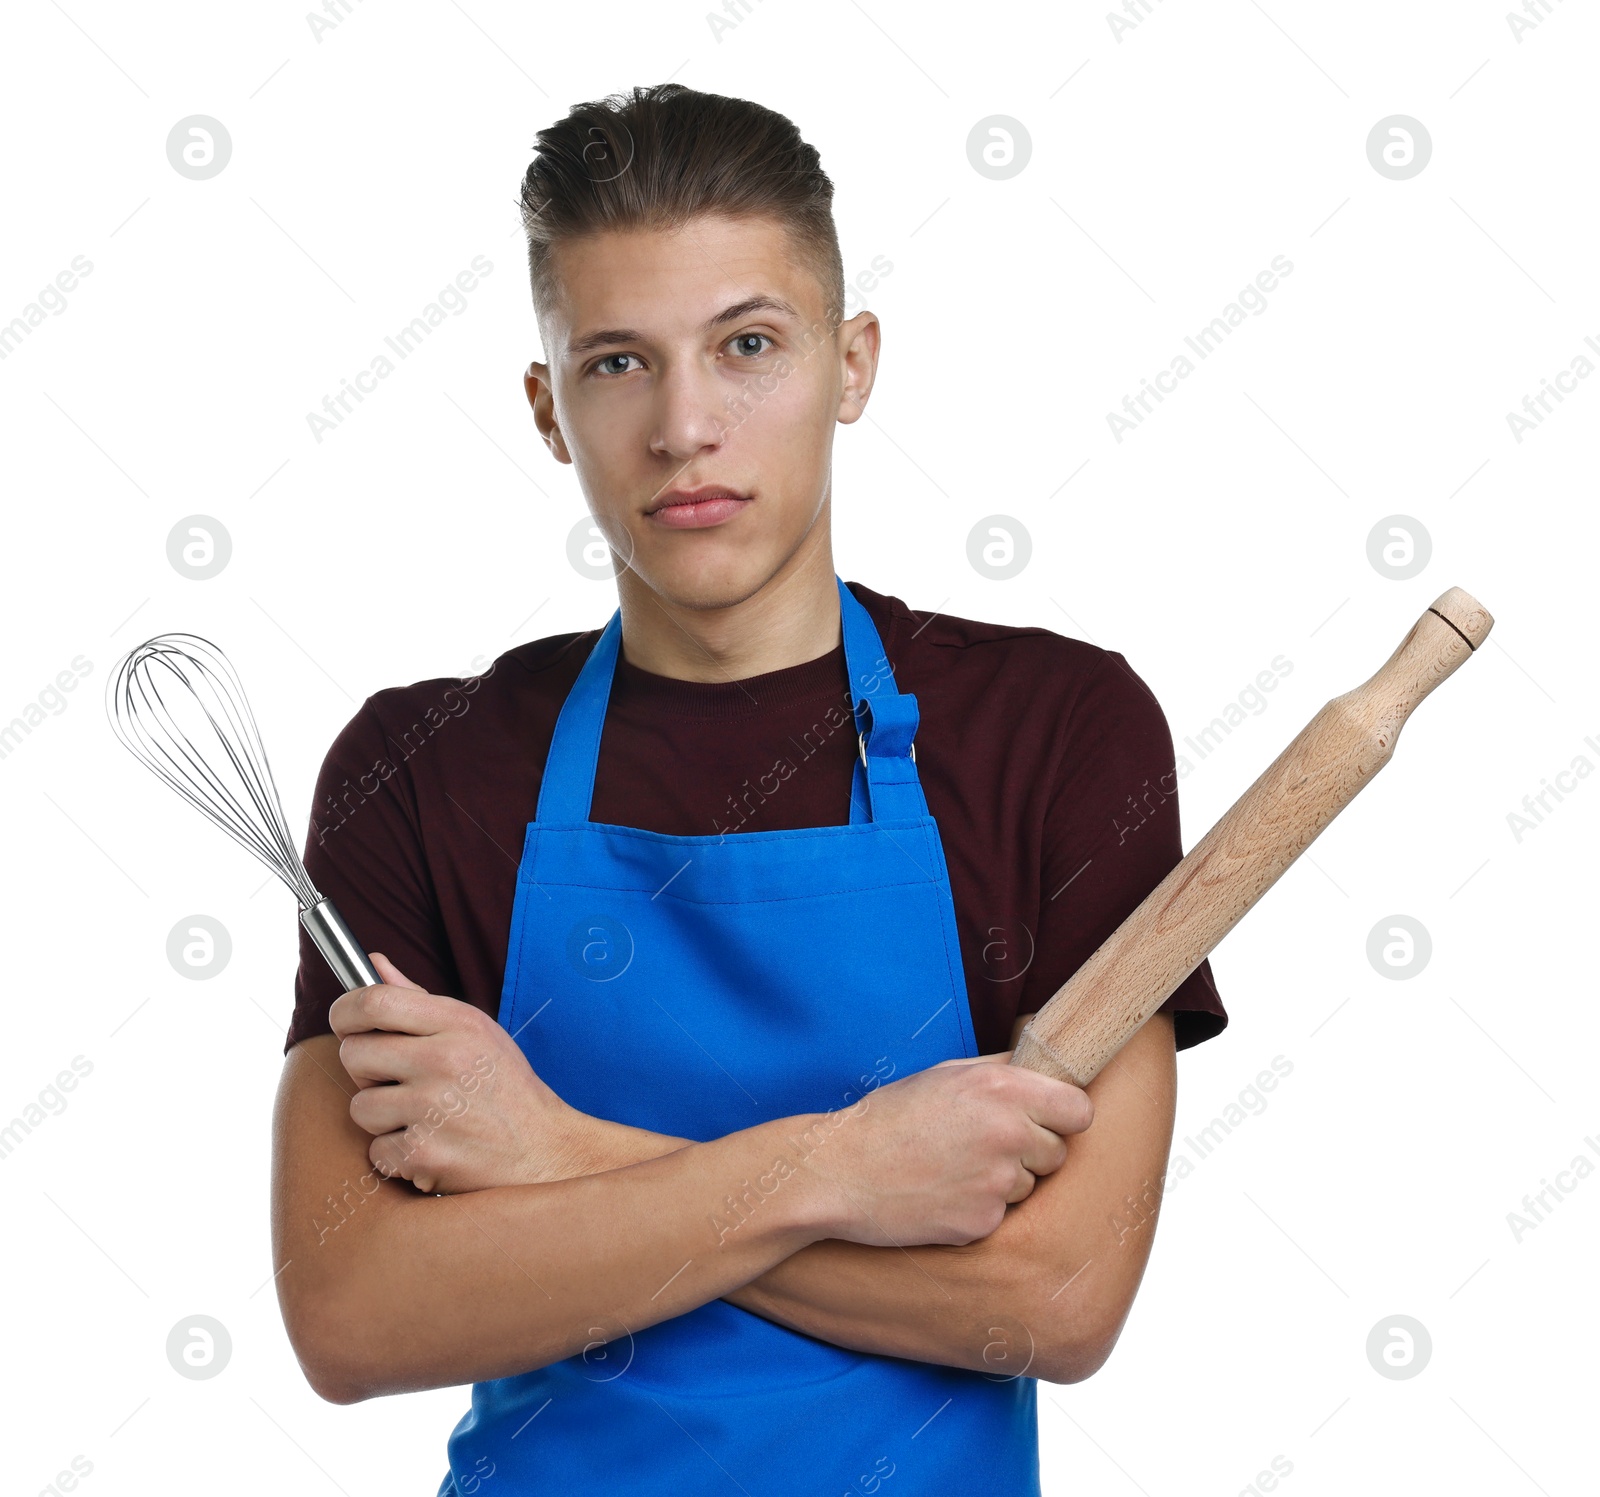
1335	756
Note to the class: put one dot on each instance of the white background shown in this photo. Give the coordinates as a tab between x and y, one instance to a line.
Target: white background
429	532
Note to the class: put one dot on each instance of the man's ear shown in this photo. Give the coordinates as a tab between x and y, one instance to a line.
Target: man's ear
859	341
536	382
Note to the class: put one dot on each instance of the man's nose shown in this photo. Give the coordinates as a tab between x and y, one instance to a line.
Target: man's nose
691	410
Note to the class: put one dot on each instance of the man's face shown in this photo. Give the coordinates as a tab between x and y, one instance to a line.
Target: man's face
693	360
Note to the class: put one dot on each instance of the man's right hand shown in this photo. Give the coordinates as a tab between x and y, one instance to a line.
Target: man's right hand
938	1156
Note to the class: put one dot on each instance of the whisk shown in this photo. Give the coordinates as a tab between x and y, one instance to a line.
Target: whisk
185	672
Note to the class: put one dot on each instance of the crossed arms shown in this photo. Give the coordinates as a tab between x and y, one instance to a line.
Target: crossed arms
386	1289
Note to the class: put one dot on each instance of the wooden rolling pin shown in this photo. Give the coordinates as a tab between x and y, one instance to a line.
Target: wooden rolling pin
1098	1009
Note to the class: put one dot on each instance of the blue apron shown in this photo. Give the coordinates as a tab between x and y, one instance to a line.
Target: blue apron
696	986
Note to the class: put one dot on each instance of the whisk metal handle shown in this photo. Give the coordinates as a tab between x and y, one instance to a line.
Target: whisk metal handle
340	949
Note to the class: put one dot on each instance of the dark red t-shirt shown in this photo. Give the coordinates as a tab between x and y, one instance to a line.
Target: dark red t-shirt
1033	750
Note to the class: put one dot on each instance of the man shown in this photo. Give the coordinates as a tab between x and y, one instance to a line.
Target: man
699	978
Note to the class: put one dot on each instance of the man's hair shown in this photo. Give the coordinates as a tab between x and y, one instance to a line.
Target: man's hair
665	154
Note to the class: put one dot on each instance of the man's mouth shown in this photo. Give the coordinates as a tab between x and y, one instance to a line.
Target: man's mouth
694	509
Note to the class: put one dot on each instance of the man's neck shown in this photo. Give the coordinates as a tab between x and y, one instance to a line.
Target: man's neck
792	619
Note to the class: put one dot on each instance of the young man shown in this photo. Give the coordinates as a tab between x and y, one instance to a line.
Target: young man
680	1125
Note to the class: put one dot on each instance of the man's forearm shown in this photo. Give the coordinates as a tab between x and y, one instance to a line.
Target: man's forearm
979	1306
1049	1288
386	1290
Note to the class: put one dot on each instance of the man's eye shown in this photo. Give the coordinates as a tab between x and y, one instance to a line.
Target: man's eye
603	366
739	344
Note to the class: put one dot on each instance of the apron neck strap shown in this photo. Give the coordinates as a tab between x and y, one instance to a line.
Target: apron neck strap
566	788
885	784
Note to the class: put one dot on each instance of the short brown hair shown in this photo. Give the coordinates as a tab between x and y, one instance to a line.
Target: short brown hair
657	157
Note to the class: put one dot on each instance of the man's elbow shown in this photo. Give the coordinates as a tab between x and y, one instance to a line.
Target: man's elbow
331	1348
332	1376
1073	1358
1080	1345
333	1386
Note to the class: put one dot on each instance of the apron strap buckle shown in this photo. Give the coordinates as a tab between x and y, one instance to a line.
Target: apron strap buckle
861	746
890	720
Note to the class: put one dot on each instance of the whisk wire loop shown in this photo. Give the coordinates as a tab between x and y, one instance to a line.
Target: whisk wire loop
191	668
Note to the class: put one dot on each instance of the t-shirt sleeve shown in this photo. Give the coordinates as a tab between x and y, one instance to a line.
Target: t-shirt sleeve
364	851
1111	835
